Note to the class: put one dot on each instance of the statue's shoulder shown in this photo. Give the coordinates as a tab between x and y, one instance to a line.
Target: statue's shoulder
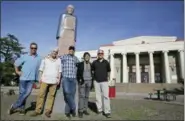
74	16
62	15
67	15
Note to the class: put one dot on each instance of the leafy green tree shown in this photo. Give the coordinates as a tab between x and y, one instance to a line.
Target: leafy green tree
10	49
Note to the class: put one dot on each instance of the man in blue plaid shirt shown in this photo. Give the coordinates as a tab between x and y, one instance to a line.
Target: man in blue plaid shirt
69	72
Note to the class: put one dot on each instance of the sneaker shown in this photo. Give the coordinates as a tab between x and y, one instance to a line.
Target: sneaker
11	110
22	112
80	114
107	115
48	114
68	115
35	114
86	113
73	112
99	112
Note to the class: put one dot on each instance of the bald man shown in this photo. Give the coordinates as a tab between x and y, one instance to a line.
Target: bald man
101	69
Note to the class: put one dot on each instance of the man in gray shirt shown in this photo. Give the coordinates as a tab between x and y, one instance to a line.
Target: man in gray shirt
84	77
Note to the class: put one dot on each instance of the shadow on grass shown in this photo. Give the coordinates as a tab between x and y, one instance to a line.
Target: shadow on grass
155	99
33	104
32	107
92	107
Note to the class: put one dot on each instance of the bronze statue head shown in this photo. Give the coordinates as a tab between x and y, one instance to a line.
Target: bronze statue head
70	9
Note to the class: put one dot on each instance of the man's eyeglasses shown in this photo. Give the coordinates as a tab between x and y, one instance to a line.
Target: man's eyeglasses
33	48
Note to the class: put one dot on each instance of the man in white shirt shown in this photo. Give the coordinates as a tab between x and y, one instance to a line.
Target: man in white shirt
50	74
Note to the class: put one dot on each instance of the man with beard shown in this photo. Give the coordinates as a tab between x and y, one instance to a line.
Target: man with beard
69	72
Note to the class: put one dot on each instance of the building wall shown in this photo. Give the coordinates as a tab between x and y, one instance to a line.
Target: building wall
118	68
173	60
146	45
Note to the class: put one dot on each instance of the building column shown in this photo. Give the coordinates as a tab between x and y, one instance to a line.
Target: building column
167	68
125	71
181	53
152	71
112	67
138	72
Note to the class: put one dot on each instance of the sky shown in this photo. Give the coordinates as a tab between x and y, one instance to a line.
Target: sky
99	22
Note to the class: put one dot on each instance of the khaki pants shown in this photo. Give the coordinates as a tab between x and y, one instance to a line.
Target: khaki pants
41	97
102	89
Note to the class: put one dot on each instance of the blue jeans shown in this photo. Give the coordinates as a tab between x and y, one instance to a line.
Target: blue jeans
25	88
69	90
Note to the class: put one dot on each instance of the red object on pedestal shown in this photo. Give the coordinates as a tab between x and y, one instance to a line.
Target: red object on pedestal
112	91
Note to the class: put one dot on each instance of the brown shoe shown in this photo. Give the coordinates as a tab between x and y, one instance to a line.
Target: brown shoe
35	114
48	114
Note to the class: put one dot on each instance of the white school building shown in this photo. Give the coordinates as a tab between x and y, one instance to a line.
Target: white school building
144	59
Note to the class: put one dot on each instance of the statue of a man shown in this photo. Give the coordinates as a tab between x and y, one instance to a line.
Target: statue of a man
66	34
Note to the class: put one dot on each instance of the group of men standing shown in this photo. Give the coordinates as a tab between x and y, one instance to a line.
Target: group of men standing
65	71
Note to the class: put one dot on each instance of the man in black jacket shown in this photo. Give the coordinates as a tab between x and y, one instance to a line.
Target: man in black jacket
84	77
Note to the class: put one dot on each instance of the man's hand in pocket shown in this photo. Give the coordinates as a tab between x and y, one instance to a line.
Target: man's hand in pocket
81	81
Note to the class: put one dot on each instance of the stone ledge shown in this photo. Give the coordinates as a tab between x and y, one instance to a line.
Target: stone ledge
120	88
143	88
5	89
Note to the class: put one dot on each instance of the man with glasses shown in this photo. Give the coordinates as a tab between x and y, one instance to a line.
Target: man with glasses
28	75
101	69
50	74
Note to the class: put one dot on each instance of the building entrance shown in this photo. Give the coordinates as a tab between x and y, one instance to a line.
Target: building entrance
132	77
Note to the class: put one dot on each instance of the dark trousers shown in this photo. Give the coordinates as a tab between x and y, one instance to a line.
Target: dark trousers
84	90
25	88
69	90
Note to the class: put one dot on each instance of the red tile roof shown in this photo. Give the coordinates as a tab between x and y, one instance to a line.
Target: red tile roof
106	45
179	40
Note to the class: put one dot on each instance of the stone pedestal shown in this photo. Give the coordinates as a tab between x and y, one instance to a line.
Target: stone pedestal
66	34
59	104
66	40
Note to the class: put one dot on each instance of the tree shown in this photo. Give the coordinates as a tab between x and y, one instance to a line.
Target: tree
10	49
